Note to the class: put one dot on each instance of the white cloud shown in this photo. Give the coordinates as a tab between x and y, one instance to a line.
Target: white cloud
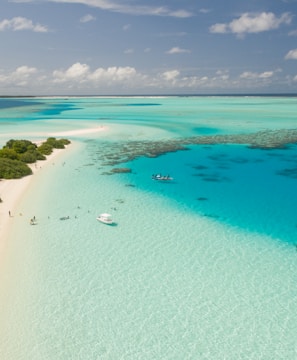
291	55
219	28
253	76
223	74
293	33
177	50
81	73
170	75
19	77
178	13
76	72
252	23
132	9
204	11
20	23
24	71
87	18
79	78
174	79
266	74
129	51
114	74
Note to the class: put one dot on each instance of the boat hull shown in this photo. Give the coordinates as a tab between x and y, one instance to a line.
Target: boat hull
105	219
107	222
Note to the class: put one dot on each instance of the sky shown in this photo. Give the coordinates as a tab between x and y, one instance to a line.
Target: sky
147	47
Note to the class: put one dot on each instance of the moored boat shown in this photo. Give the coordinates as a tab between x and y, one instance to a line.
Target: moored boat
105	218
162	177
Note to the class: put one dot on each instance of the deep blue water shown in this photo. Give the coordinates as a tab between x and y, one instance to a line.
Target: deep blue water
55	109
6	103
252	189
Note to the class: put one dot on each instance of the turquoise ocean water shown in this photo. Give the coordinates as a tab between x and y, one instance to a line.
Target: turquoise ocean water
203	267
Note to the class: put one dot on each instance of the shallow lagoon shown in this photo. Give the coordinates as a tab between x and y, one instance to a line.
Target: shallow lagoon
201	267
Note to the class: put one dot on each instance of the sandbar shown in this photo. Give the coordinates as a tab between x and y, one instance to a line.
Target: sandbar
79	131
11	191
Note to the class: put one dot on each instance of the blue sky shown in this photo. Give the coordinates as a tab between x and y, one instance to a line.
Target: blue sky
105	47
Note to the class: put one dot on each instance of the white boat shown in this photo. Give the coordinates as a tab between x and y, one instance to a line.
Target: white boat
162	177
105	218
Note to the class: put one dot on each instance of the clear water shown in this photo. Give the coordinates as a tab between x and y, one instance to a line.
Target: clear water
203	267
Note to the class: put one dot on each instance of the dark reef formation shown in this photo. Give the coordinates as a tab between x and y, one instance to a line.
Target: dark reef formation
120	170
122	152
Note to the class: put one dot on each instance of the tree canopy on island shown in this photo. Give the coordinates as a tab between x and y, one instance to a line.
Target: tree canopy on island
16	154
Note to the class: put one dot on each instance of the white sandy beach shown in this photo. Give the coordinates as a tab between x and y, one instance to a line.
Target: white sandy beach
11	191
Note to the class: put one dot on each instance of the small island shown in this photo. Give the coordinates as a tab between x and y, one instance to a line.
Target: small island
17	154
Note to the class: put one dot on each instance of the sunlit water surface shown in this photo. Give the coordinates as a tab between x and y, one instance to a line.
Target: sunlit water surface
201	267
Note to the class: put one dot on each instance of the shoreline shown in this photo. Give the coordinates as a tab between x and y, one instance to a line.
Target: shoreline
12	190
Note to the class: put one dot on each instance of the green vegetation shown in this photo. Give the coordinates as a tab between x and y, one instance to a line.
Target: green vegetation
16	154
50	144
13	169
